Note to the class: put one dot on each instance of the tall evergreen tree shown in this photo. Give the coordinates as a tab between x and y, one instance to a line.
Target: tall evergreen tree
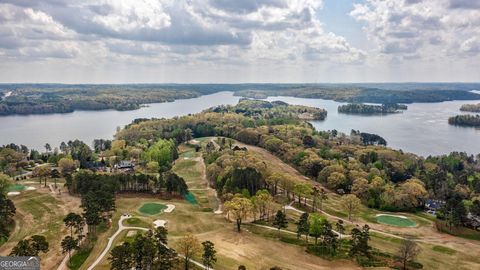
303	226
209	254
280	221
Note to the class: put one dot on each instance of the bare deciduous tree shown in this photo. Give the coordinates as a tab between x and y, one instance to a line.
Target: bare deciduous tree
408	251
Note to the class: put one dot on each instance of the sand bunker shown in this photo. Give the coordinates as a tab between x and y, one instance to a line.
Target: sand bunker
159	223
30	188
169	209
13	193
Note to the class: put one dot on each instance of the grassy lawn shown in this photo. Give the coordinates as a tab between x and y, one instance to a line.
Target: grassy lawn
190	167
396	221
233	248
462	232
152	208
136	222
444	250
16	187
79	258
40	212
255	247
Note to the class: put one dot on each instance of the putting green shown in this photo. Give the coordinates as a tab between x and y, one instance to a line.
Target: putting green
16	187
398	221
152	208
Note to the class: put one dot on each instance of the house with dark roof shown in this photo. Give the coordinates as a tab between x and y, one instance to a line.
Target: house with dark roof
125	165
432	205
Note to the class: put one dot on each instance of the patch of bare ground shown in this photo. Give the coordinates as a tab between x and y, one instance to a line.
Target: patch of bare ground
41	212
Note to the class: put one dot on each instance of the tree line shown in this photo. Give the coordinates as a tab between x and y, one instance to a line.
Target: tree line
356	108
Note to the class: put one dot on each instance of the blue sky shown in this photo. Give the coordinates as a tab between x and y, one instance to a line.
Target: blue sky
335	16
225	41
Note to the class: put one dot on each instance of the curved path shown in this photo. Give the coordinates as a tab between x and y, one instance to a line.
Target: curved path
112	238
120	229
290	207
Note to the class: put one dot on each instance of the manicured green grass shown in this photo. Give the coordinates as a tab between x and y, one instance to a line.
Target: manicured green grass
396	221
152	208
136	222
79	258
444	250
16	187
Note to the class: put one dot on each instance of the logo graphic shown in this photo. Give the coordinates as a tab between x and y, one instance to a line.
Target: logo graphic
19	263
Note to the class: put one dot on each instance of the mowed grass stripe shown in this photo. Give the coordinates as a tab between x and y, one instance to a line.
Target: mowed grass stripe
152	208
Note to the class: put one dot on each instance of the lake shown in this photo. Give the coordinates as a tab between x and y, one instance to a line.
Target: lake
422	129
36	130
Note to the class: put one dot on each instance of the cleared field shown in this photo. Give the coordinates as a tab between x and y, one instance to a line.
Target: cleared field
247	248
41	212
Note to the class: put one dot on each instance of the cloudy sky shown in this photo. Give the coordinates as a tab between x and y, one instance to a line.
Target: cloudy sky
128	41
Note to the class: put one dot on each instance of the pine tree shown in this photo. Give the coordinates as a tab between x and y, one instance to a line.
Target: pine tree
303	226
280	221
209	254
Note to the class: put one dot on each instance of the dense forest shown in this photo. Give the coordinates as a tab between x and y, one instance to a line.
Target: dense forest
355	108
467	120
470	107
358	164
44	99
370	93
63	98
276	111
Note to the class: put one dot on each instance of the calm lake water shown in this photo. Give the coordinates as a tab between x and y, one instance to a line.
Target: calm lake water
36	130
422	129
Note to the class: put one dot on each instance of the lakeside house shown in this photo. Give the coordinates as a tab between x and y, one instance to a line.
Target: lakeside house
473	221
125	166
432	205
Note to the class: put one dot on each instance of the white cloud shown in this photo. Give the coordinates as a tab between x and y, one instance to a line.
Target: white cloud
268	29
432	29
218	40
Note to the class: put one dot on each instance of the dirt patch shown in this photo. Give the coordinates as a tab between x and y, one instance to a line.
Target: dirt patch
40	212
259	253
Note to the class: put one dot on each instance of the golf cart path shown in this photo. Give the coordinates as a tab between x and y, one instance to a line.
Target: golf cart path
122	228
